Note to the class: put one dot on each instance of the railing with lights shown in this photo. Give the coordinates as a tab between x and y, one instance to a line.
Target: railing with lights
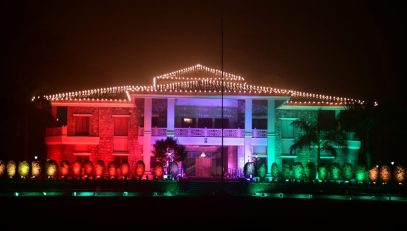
202	132
208	132
259	133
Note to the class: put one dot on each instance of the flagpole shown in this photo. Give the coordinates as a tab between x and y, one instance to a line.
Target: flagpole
222	154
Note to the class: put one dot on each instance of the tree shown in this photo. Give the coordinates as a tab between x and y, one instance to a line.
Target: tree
169	150
39	118
324	135
361	119
381	129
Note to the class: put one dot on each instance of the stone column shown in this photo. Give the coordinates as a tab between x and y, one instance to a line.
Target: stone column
170	116
147	133
248	130
271	134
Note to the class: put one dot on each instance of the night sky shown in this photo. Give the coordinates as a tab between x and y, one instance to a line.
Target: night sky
342	49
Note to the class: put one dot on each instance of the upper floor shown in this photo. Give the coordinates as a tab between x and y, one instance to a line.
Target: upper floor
193	102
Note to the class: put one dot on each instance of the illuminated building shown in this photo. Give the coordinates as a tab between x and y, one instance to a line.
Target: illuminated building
121	124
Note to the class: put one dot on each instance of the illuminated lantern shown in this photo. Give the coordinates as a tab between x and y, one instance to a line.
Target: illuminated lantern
286	172
88	169
23	169
249	170
112	170
11	169
100	169
385	174
64	170
360	174
51	169
322	172
374	174
347	171
309	171
118	171
262	170
158	170
335	171
124	168
298	171
2	168
274	171
35	169
77	169
140	168
400	174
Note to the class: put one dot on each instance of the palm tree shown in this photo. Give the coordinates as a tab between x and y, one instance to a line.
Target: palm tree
314	136
169	150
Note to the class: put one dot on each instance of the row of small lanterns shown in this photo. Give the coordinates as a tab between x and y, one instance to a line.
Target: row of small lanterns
77	170
377	174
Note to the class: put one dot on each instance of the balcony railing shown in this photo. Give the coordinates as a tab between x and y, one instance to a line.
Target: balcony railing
158	131
56	131
205	132
259	133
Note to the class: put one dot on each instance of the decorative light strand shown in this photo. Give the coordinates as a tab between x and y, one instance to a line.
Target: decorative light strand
202	85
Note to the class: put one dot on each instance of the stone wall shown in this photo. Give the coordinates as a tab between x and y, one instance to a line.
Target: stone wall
101	124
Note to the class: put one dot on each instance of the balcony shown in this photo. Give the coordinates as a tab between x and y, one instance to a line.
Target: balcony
59	135
205	132
56	131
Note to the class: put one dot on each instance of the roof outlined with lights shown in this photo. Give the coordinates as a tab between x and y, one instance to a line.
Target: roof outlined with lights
198	80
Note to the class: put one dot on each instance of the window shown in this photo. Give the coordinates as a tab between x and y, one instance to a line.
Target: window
61	116
188	122
287	129
82	125
158	121
121	126
259	123
82	158
218	123
121	159
205	123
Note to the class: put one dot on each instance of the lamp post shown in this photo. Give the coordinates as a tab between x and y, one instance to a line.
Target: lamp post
170	159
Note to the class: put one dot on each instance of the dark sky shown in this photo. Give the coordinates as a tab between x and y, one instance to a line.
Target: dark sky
344	49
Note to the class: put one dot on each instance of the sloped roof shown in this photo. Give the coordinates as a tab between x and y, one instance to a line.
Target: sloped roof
198	80
196	72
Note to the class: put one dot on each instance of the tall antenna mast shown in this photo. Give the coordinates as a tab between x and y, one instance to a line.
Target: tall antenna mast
222	154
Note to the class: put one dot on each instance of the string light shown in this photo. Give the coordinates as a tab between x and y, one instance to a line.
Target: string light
197	80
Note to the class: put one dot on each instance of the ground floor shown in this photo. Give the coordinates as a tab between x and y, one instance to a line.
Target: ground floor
202	161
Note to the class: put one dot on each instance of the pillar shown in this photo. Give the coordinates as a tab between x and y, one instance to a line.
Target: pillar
170	116
147	134
248	105
271	134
